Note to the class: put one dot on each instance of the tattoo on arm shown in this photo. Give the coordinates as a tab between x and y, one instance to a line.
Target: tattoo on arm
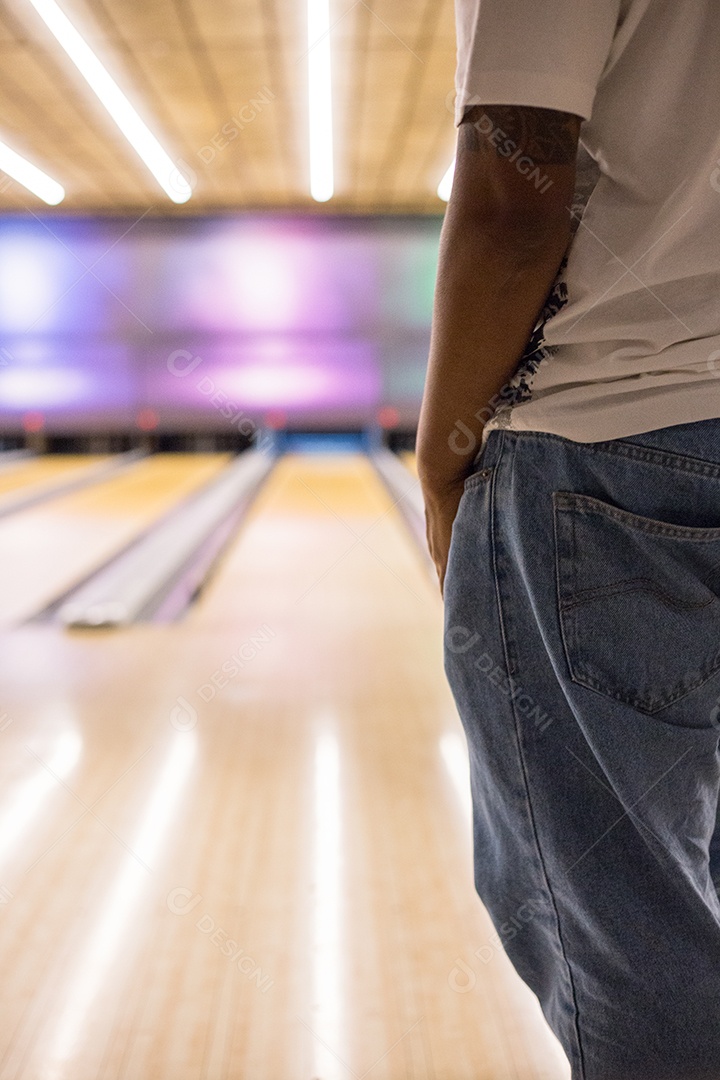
546	136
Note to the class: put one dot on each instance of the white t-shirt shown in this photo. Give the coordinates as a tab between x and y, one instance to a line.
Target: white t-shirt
629	339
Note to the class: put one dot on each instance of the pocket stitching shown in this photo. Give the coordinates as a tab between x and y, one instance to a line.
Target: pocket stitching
586	504
564	502
590	683
585	596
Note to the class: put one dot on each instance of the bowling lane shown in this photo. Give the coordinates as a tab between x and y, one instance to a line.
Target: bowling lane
47	548
37	473
343	705
239	846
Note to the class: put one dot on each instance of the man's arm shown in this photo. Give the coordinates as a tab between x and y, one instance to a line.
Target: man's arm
506	229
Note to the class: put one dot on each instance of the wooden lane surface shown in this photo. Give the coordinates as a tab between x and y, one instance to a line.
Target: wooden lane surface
255	862
37	472
47	548
408	459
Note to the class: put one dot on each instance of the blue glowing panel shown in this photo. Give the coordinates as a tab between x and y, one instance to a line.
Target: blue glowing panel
68	382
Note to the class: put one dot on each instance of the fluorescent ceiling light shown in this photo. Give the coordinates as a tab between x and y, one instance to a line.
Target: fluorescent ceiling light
445	186
30	176
319	100
111	96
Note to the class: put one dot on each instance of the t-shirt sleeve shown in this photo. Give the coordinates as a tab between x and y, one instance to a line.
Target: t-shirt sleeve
544	53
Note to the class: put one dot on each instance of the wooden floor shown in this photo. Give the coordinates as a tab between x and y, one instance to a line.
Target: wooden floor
33	474
49	547
237	848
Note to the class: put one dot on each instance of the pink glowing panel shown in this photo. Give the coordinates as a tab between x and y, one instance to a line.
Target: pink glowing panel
297	386
282	372
269	276
269	385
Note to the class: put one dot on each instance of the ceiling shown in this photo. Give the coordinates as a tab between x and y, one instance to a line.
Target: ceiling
192	67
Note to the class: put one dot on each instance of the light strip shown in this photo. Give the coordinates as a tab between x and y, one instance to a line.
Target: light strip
30	801
327	935
453	750
111	96
30	176
319	100
115	928
445	186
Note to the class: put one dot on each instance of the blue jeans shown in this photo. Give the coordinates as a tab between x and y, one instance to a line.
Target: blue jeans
582	646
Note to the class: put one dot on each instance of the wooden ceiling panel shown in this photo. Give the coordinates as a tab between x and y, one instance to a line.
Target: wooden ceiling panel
8	30
223	84
59	130
226	22
251	85
153	26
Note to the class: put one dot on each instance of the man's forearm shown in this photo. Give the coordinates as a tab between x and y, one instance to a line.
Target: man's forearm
492	283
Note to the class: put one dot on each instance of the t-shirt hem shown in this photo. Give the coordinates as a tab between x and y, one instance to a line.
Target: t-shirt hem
526	88
613	424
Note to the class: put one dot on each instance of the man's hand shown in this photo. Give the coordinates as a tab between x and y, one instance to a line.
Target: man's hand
440	512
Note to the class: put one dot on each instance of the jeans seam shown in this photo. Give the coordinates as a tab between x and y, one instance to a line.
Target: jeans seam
666	459
523	767
477	479
636	451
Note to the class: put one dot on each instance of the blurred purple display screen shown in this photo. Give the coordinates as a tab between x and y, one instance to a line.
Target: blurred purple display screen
204	323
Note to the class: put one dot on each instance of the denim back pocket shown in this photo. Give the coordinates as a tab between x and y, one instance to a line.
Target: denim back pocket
639	602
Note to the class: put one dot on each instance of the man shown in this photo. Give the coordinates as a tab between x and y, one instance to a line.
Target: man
569	446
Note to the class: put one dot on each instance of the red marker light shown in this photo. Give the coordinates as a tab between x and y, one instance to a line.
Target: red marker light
147	420
275	419
33	421
388	417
